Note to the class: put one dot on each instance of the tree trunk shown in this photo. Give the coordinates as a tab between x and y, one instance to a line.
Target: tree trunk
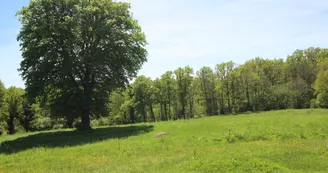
214	102
144	114
165	111
86	110
222	104
248	100
152	112
26	123
184	111
132	114
191	108
86	118
216	109
11	126
132	118
228	97
169	112
161	111
69	122
208	106
233	97
229	106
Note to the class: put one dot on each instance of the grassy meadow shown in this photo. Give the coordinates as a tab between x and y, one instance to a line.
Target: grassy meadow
276	141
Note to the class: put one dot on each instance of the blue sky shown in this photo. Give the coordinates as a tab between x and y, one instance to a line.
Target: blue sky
199	33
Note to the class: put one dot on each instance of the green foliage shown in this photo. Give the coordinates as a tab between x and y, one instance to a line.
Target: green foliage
42	123
322	100
225	85
2	93
144	97
104	121
94	123
321	83
120	103
13	107
208	90
167	88
3	126
185	97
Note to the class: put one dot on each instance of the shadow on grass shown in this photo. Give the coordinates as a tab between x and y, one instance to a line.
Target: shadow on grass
70	138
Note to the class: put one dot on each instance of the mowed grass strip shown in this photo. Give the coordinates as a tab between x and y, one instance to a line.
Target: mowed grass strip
276	141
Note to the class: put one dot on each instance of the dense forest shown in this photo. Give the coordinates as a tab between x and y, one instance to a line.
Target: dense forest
299	81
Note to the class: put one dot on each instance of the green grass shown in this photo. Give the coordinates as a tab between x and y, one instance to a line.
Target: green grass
276	141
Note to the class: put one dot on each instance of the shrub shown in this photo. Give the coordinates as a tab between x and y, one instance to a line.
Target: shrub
3	127
103	121
58	126
94	123
314	103
322	100
43	123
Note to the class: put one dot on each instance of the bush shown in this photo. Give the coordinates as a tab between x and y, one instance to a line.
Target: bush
103	121
322	100
3	127
314	103
43	123
94	123
58	126
60	123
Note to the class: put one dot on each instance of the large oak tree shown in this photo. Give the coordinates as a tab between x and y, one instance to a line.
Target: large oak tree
79	49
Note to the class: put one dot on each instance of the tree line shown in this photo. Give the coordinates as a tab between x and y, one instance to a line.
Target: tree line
299	81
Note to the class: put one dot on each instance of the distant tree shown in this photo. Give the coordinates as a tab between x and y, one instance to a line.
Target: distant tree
223	72
321	85
2	116
168	88
2	94
191	95
28	114
248	80
183	80
302	69
208	89
118	105
196	98
13	100
79	48
144	97
160	97
131	102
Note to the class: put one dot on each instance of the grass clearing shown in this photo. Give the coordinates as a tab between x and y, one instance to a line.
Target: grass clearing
276	141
